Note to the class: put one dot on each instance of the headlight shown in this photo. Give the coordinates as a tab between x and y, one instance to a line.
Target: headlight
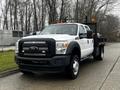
61	47
16	47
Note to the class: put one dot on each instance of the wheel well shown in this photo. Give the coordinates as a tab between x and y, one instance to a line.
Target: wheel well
76	51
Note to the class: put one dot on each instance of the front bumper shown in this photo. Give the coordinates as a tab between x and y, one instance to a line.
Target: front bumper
52	65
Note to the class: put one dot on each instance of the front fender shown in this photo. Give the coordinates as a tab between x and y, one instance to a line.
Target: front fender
72	46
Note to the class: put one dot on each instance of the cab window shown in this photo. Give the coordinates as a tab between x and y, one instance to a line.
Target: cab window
86	27
82	32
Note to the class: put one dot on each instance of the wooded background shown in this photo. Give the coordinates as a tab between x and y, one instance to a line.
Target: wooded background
33	15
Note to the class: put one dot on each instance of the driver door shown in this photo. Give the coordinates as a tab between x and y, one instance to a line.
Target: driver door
83	41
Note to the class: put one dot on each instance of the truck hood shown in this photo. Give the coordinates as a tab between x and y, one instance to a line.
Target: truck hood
57	37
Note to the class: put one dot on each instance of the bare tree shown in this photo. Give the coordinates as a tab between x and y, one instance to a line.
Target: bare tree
91	8
35	17
30	15
5	26
21	13
11	13
53	15
65	10
41	5
43	14
109	27
15	14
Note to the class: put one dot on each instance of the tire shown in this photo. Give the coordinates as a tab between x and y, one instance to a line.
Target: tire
100	54
73	68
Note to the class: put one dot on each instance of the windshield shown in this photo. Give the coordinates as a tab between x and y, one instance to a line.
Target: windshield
70	29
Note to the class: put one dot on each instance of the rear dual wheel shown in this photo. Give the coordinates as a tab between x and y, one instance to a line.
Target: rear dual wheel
99	53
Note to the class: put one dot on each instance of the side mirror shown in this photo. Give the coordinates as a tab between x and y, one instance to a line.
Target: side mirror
89	34
34	33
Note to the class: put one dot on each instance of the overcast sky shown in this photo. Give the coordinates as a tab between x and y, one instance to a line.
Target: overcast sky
116	10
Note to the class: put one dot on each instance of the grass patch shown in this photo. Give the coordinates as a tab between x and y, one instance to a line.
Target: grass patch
7	61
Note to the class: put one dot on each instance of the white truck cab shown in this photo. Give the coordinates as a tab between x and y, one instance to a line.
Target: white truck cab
59	47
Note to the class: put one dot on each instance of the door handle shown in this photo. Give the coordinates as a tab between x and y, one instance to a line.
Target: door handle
87	41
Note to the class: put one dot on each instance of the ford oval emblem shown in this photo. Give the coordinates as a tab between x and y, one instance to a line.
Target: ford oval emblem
33	48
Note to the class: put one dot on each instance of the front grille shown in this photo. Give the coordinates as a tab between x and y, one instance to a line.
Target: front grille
37	48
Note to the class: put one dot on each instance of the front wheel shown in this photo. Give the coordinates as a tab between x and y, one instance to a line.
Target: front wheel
73	69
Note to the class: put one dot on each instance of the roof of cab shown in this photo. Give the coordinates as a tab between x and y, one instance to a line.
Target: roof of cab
68	23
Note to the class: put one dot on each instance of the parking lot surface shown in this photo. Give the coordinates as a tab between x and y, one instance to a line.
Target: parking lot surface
94	75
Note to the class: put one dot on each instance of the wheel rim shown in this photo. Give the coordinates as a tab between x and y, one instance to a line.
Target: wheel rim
75	66
102	55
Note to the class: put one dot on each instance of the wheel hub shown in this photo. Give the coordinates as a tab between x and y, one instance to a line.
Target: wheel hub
75	66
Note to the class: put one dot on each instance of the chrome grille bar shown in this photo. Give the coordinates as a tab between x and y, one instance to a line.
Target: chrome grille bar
34	42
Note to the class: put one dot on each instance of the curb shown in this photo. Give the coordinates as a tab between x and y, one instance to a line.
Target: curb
8	72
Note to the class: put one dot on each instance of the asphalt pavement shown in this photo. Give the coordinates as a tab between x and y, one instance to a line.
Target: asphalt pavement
94	75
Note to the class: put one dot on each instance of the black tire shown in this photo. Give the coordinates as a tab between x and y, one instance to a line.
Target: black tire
99	54
73	68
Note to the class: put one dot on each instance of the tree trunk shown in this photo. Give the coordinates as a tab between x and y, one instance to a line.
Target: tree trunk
35	17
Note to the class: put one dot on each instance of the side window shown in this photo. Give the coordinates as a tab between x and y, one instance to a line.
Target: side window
82	32
86	27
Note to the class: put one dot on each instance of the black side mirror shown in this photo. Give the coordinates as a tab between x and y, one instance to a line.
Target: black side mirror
89	34
34	33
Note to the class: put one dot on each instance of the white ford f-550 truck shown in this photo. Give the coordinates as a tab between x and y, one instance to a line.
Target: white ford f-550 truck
58	48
